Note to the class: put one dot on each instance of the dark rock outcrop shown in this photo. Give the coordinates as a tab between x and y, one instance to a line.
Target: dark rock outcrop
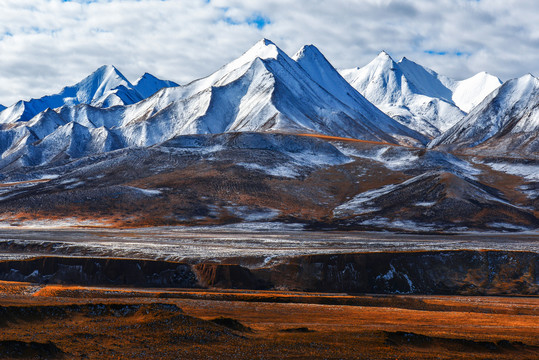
96	271
463	272
229	277
429	272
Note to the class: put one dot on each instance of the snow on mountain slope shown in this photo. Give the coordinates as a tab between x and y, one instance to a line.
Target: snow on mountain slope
45	123
147	85
67	141
263	90
507	121
323	73
409	94
105	87
468	93
95	87
416	96
425	81
298	154
434	200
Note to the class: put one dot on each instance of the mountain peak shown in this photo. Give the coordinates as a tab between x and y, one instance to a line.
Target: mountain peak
522	85
148	84
384	55
147	75
321	70
483	75
93	88
528	77
406	90
409	64
107	67
266	42
469	92
404	59
96	85
309	48
308	51
263	49
107	72
145	78
382	59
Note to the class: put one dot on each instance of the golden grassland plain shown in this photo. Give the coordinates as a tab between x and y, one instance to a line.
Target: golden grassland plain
56	321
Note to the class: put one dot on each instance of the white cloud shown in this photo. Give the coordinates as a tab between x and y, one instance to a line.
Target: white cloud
45	45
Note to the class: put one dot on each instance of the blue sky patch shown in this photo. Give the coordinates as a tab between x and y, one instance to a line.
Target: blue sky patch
259	21
444	53
256	19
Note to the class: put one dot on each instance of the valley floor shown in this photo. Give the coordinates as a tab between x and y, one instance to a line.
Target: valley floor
266	293
258	241
98	323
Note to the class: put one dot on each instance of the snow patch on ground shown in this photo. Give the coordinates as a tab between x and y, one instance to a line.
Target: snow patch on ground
75	185
360	203
68	181
531	191
245	227
149	192
249	213
400	161
49	223
507	226
528	171
297	160
48	177
398	224
281	171
425	204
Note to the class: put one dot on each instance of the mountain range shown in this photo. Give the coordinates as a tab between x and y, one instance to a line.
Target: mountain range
391	145
416	96
103	88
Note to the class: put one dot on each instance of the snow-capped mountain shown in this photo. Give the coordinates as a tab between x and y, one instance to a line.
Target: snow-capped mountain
416	96
469	93
247	143
147	85
325	75
507	121
105	87
2	107
263	90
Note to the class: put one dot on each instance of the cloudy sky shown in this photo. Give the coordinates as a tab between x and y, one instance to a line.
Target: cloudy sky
46	44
